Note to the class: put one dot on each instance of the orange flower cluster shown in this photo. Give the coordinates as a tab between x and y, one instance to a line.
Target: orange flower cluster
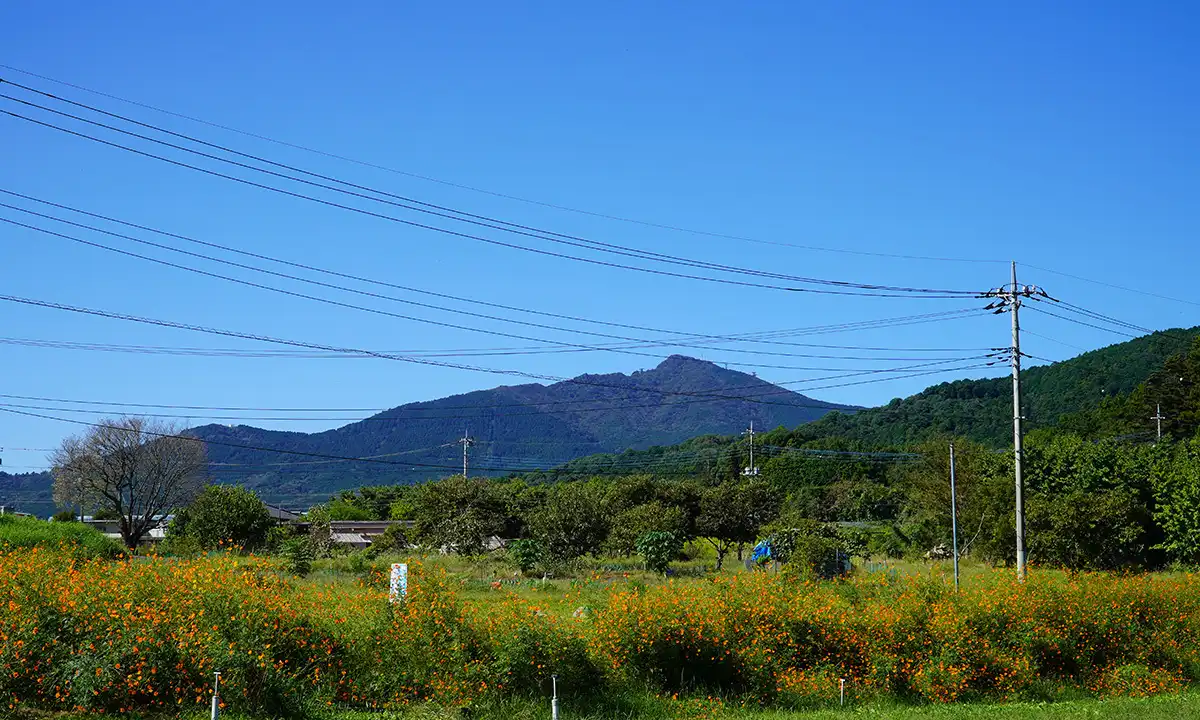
790	643
147	633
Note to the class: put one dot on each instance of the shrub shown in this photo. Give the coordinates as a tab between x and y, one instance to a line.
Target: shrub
224	516
659	549
299	555
392	539
526	554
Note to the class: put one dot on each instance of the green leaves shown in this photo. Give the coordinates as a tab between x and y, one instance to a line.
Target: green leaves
224	516
659	549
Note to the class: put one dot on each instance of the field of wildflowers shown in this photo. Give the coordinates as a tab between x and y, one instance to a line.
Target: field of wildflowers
145	634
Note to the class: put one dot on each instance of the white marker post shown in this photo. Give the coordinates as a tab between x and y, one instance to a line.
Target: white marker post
216	698
399	582
554	697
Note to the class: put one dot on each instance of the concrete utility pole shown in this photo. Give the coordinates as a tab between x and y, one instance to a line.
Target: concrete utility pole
752	470
466	441
1018	450
1009	300
1158	418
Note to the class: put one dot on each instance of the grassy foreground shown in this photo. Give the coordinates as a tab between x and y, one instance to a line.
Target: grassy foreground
1162	707
144	635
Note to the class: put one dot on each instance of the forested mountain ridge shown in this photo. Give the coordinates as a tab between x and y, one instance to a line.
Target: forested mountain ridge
514	428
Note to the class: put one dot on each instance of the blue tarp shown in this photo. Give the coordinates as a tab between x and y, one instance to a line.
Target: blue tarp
762	551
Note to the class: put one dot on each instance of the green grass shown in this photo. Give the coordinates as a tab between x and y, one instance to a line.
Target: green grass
1167	707
592	577
81	540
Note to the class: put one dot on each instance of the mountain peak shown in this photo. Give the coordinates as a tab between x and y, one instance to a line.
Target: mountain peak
674	362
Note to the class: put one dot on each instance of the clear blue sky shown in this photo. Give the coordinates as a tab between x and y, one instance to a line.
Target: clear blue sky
1061	135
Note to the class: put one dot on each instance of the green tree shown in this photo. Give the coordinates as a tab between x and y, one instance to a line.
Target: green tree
342	509
571	524
1177	491
458	513
224	515
732	514
632	524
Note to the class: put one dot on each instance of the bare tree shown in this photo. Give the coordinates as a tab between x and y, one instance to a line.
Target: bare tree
68	489
136	468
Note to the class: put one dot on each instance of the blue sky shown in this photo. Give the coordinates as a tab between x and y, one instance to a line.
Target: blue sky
1060	136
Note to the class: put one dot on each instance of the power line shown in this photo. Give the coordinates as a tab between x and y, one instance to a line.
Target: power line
1114	286
492	193
1044	311
852	288
410	223
318	346
465	216
372	281
1054	340
326	456
187	351
606	405
299	453
622	350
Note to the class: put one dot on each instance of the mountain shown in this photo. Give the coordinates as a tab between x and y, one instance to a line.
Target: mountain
515	428
27	492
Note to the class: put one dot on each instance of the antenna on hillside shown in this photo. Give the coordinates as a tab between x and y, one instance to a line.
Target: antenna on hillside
466	441
752	470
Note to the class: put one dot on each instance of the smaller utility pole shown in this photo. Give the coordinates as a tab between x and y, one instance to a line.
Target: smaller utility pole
1158	418
752	470
954	517
466	441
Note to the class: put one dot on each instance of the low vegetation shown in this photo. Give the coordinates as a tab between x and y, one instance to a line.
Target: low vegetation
145	635
74	539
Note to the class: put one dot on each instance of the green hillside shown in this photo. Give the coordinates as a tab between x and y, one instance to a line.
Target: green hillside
1103	393
982	409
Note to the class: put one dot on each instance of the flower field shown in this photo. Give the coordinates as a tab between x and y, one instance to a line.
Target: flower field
146	634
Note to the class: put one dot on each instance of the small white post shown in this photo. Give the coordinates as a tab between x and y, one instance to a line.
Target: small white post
842	690
554	697
216	698
398	587
954	516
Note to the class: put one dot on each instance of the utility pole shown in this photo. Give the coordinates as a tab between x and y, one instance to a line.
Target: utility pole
954	517
466	441
1158	418
752	470
1009	300
1018	449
